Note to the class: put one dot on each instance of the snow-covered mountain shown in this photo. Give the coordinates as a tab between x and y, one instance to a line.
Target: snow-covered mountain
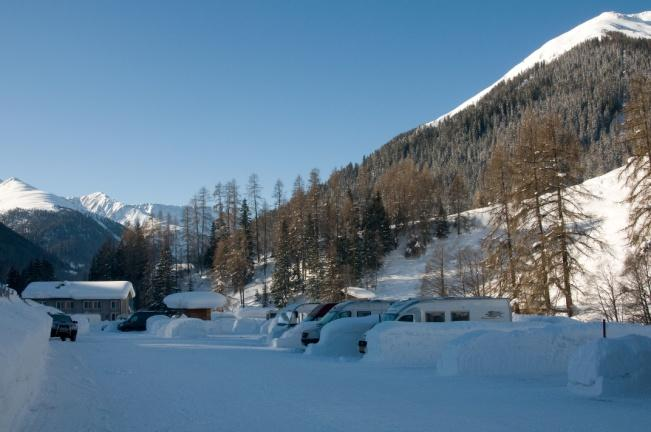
16	194
632	25
103	205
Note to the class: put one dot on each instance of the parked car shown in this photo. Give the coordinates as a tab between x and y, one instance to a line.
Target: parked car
347	309
138	320
446	309
290	316
63	327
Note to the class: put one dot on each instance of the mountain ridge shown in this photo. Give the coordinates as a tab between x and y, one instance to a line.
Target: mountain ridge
637	25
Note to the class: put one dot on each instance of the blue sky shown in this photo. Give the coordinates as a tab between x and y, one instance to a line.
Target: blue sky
150	100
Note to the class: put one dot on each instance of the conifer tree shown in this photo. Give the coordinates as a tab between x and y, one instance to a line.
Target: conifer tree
281	288
637	136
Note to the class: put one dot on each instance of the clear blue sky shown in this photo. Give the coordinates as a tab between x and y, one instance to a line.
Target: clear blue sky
149	100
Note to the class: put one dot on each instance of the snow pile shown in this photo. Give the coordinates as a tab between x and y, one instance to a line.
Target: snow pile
632	25
358	293
605	367
195	300
522	352
247	326
418	344
183	327
24	338
292	338
83	323
339	338
253	312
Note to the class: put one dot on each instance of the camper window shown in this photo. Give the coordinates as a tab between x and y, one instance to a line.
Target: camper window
363	313
434	316
460	316
345	314
408	318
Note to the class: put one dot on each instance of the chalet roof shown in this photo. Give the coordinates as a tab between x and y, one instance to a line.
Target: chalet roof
79	290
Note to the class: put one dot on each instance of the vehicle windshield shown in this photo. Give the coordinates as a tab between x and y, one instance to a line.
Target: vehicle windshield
330	316
389	316
61	318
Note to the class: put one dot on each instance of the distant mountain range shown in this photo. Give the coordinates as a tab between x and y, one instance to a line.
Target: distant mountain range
70	230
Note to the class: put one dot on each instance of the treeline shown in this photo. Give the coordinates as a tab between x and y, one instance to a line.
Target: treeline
37	270
146	255
539	232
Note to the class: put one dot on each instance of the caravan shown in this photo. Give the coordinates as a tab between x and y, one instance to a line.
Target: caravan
446	309
347	309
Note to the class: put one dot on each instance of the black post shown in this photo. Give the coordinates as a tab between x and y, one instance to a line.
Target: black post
603	328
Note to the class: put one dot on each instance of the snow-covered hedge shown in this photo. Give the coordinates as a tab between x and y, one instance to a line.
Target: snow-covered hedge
24	341
339	338
608	367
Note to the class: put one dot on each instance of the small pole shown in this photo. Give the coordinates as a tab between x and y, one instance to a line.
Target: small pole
603	328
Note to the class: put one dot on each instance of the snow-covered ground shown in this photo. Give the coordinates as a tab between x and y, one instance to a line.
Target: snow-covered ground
139	382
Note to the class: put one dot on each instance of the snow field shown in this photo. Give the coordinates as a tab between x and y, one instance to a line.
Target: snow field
24	338
611	367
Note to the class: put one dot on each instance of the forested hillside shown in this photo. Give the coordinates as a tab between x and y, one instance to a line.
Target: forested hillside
18	252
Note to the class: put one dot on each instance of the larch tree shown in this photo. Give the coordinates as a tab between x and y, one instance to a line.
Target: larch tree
548	199
637	137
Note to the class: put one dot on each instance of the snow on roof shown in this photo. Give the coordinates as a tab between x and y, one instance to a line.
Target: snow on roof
359	293
80	290
195	300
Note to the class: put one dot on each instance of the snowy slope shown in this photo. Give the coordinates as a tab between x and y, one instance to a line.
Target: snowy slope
15	193
632	25
401	277
103	205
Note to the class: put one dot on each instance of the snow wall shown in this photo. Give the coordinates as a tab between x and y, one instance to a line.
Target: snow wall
24	338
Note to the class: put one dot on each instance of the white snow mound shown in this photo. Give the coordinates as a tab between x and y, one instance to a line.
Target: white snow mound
339	338
611	367
24	342
195	300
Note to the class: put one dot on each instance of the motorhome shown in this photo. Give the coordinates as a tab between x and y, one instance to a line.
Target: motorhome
290	316
347	309
446	309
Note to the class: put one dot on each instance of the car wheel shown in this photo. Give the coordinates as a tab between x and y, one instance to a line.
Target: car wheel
63	338
73	337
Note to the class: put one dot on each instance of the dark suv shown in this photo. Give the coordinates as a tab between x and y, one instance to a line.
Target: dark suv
63	326
138	320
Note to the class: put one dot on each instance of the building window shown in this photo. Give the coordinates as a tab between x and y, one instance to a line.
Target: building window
86	305
460	316
112	317
114	305
97	305
434	316
59	305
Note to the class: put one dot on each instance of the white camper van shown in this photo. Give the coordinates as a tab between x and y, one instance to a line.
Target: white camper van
347	309
446	309
288	317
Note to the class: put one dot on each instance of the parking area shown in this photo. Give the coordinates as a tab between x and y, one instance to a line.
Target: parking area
136	382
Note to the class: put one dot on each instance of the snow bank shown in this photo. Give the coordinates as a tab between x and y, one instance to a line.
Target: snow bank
195	300
183	327
522	352
292	338
83	323
24	338
418	344
605	367
339	338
